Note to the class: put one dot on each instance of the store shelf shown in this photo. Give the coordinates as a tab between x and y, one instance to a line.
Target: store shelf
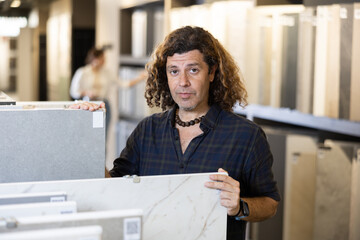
6	100
288	116
128	60
138	3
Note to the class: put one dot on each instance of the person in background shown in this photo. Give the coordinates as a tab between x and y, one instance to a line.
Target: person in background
93	81
196	82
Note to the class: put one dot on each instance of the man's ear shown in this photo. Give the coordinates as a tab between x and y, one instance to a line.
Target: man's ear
212	73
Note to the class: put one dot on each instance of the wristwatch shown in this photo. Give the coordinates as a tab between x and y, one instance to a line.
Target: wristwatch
244	210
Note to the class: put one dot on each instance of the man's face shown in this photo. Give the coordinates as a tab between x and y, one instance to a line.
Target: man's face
189	80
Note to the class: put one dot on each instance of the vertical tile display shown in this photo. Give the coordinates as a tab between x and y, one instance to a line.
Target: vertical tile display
289	70
333	63
253	56
346	24
320	73
305	73
355	197
333	190
272	228
265	60
355	69
299	197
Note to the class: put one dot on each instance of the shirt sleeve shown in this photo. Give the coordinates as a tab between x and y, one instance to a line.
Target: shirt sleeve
75	91
258	169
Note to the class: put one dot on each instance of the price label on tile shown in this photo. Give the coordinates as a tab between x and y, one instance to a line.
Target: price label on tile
98	119
58	199
343	13
357	14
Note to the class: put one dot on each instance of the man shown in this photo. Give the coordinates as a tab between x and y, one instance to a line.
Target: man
196	82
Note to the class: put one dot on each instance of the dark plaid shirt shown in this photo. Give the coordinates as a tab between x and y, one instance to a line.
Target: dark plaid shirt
228	141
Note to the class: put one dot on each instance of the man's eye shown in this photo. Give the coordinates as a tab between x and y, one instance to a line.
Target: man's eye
173	72
194	70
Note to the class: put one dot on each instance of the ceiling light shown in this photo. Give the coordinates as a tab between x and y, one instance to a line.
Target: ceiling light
15	3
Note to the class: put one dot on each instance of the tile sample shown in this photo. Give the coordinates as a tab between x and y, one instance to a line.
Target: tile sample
306	57
265	60
333	63
72	233
321	55
112	222
37	209
346	16
355	197
333	190
299	194
41	141
289	60
162	199
294	170
253	56
355	69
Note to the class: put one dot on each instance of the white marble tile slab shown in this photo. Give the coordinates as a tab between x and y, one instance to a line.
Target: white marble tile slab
73	233
174	206
37	209
113	222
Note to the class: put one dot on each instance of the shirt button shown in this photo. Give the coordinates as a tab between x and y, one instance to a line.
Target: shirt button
181	165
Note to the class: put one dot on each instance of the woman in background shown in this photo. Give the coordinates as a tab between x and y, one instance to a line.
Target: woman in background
93	81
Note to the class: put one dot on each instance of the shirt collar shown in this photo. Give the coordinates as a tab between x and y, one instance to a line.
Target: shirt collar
209	121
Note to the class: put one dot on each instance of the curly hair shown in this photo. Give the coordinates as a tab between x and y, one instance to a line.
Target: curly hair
227	87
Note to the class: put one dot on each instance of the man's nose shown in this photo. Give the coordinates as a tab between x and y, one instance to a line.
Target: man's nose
184	80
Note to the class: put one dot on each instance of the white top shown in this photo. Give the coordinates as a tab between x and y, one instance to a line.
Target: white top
84	80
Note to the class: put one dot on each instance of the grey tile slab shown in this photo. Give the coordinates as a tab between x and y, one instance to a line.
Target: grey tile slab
289	60
48	143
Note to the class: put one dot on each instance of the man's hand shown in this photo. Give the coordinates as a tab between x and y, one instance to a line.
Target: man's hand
230	191
87	106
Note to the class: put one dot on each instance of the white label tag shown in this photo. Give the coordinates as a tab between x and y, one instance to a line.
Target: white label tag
58	199
343	13
98	119
357	14
132	228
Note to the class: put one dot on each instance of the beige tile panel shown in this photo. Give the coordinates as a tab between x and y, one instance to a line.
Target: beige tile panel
299	194
355	70
333	63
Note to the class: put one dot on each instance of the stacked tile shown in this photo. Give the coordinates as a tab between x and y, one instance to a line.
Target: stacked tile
299	197
355	197
290	24
346	16
253	57
333	190
305	73
265	46
333	63
294	171
320	72
355	69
